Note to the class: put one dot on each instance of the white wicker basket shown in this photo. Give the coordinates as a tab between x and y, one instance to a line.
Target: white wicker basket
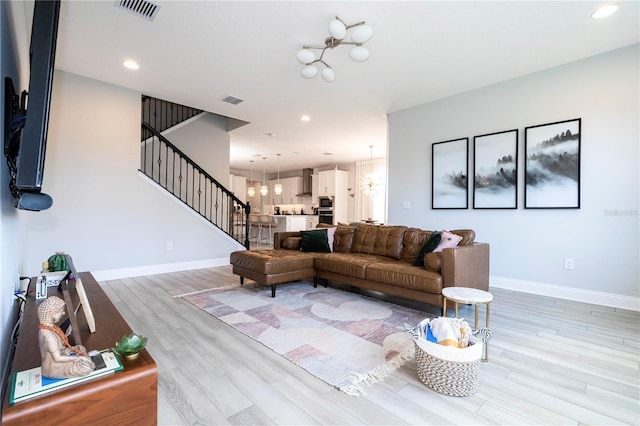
449	370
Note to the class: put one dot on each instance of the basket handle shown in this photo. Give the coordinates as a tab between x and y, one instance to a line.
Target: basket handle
413	331
483	334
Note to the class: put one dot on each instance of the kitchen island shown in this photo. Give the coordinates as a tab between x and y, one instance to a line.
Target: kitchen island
294	222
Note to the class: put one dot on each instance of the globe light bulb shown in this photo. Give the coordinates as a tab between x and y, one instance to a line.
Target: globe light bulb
361	33
328	75
305	56
309	71
359	54
337	29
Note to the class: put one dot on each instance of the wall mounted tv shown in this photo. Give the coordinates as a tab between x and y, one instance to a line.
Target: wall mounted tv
26	136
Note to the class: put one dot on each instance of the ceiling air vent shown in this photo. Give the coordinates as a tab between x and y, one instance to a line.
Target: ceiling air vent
143	8
232	100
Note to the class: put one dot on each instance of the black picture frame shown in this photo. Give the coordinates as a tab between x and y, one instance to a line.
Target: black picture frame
495	170
450	174
552	165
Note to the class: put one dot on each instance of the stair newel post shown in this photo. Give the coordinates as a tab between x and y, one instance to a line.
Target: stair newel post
247	211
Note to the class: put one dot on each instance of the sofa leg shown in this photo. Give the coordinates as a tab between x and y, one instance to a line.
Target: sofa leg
241	280
273	290
326	283
315	282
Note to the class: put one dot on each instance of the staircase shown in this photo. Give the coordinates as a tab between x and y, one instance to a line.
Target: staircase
174	171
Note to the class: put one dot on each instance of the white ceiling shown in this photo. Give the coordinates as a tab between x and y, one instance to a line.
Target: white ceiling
197	52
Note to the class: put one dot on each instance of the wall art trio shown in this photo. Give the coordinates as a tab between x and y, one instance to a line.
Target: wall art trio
551	169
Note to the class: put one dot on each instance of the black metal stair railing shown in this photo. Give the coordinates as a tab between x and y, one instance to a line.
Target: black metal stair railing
170	168
162	115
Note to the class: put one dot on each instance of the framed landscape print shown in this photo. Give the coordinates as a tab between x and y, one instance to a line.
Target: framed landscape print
449	174
552	165
495	168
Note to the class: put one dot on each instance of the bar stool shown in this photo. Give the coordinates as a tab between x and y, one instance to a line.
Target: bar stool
268	222
254	223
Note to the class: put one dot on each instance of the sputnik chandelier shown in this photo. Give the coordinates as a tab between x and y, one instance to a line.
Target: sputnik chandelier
360	33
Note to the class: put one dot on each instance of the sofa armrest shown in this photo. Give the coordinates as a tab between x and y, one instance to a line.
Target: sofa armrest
466	266
279	237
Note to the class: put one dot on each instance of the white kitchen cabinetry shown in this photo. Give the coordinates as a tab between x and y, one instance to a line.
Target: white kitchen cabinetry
332	182
312	222
291	223
314	188
291	187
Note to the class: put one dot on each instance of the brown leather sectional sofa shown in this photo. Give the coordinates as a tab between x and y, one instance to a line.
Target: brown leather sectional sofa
378	258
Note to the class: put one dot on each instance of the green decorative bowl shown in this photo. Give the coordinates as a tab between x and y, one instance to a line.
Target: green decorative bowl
130	346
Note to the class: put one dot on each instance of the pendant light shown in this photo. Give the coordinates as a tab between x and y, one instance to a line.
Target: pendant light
264	189
277	188
370	182
251	191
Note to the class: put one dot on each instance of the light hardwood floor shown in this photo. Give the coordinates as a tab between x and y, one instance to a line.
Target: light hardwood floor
551	362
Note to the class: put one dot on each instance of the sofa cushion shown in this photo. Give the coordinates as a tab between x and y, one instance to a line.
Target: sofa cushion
448	240
430	245
433	261
352	264
403	275
343	239
292	243
364	238
414	238
468	236
315	240
388	241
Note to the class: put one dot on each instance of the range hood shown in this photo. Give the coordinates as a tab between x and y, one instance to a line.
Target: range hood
307	183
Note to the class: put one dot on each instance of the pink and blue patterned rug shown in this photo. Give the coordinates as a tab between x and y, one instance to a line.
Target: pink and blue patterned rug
348	340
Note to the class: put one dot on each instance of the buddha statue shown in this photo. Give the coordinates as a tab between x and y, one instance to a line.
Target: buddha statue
60	360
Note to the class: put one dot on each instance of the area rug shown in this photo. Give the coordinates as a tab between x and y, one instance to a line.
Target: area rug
348	340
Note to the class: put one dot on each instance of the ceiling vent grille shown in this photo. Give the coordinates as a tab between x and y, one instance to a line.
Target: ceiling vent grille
232	100
143	8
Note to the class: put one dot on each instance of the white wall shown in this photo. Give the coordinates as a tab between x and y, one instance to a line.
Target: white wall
105	214
528	246
206	141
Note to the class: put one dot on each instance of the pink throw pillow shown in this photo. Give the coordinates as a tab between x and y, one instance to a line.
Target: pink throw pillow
330	233
448	240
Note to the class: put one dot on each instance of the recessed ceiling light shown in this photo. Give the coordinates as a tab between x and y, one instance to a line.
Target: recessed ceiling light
604	11
132	65
305	118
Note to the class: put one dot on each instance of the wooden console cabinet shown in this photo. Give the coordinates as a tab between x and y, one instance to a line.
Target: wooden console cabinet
125	397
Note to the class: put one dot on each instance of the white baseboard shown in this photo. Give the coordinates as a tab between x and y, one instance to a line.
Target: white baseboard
115	274
576	294
551	290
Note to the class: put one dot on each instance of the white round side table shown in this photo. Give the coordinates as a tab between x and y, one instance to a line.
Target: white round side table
468	296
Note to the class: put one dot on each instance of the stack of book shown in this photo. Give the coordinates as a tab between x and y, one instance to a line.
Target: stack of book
31	383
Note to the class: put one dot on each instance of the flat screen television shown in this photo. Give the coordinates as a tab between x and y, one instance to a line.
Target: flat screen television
28	137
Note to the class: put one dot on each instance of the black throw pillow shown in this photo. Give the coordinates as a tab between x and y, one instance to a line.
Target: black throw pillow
315	240
429	246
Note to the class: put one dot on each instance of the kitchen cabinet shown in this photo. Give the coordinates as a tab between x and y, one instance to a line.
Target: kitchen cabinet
312	221
291	187
314	188
332	182
291	223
